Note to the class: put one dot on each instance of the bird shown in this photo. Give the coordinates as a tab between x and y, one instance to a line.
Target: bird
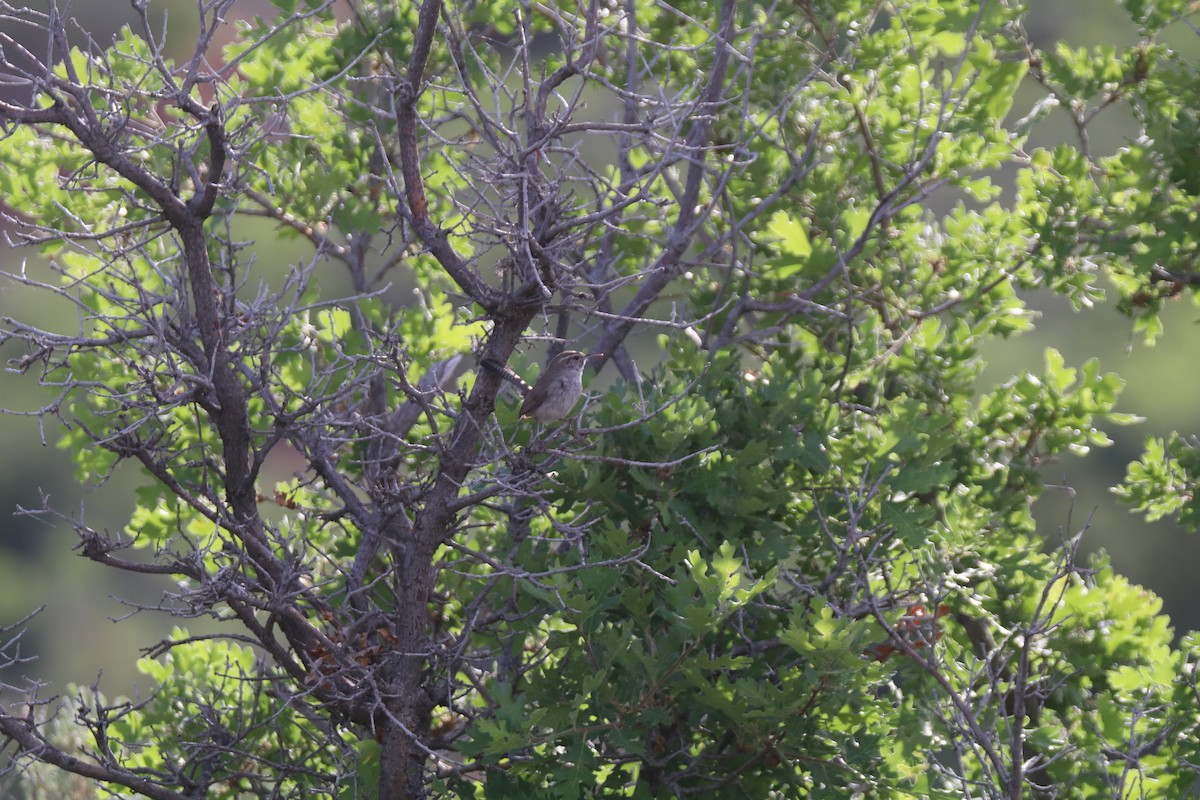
557	389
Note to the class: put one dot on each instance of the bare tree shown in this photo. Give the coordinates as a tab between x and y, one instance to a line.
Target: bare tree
201	351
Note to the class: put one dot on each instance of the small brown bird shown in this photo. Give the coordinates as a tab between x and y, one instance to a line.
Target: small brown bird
557	389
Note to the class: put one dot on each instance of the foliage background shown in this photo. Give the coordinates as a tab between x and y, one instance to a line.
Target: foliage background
75	638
